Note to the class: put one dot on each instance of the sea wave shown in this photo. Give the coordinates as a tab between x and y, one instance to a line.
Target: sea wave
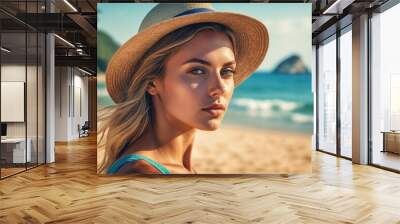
301	118
253	105
296	112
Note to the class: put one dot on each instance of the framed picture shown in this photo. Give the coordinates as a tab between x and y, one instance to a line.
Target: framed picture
204	88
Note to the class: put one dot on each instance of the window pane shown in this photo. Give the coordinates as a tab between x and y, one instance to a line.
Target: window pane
31	97
327	97
346	94
13	85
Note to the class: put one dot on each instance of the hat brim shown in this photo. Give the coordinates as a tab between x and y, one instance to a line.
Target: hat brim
250	34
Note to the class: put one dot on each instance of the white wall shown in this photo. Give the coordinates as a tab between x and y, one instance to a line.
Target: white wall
61	103
81	101
14	73
12	101
71	93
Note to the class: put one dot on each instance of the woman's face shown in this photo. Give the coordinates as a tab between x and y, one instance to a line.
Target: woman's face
198	81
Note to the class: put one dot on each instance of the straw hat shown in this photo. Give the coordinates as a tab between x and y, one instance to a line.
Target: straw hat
251	36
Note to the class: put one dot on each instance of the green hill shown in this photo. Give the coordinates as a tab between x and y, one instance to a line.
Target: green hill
106	47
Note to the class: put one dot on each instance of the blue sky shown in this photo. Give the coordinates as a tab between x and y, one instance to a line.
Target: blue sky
289	25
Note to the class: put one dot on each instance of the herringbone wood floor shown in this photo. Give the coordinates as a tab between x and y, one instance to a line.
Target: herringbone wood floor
70	191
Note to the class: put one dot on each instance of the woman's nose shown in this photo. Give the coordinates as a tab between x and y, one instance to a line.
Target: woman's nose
217	86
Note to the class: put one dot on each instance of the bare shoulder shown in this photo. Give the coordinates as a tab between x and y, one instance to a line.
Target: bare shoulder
139	166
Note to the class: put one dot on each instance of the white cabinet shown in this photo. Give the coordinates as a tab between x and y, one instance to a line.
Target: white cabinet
17	148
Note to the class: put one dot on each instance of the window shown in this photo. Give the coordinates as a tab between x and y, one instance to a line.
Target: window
385	89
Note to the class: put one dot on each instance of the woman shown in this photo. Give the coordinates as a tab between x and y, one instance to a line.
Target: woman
175	76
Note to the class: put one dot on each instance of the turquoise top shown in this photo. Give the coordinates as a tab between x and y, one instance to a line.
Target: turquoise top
134	157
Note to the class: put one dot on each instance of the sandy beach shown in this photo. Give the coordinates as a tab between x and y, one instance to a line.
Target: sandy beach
243	150
246	150
238	150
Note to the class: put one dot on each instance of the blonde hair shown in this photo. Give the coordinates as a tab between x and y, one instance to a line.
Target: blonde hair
122	124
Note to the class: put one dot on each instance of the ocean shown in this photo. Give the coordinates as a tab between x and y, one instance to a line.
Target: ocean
265	100
273	101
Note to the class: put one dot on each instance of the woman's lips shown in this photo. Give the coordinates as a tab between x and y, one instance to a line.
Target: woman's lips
215	110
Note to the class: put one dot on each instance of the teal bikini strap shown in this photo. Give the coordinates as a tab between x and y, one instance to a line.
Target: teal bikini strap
134	157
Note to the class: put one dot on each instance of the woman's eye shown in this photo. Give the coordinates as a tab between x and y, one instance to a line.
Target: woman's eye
197	71
227	72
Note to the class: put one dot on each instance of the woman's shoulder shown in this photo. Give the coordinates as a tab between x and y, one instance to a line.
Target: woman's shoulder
138	166
130	163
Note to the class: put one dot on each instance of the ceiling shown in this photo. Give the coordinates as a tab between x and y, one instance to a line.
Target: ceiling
329	16
76	22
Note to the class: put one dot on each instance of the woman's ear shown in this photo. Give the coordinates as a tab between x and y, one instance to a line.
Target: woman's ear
151	88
